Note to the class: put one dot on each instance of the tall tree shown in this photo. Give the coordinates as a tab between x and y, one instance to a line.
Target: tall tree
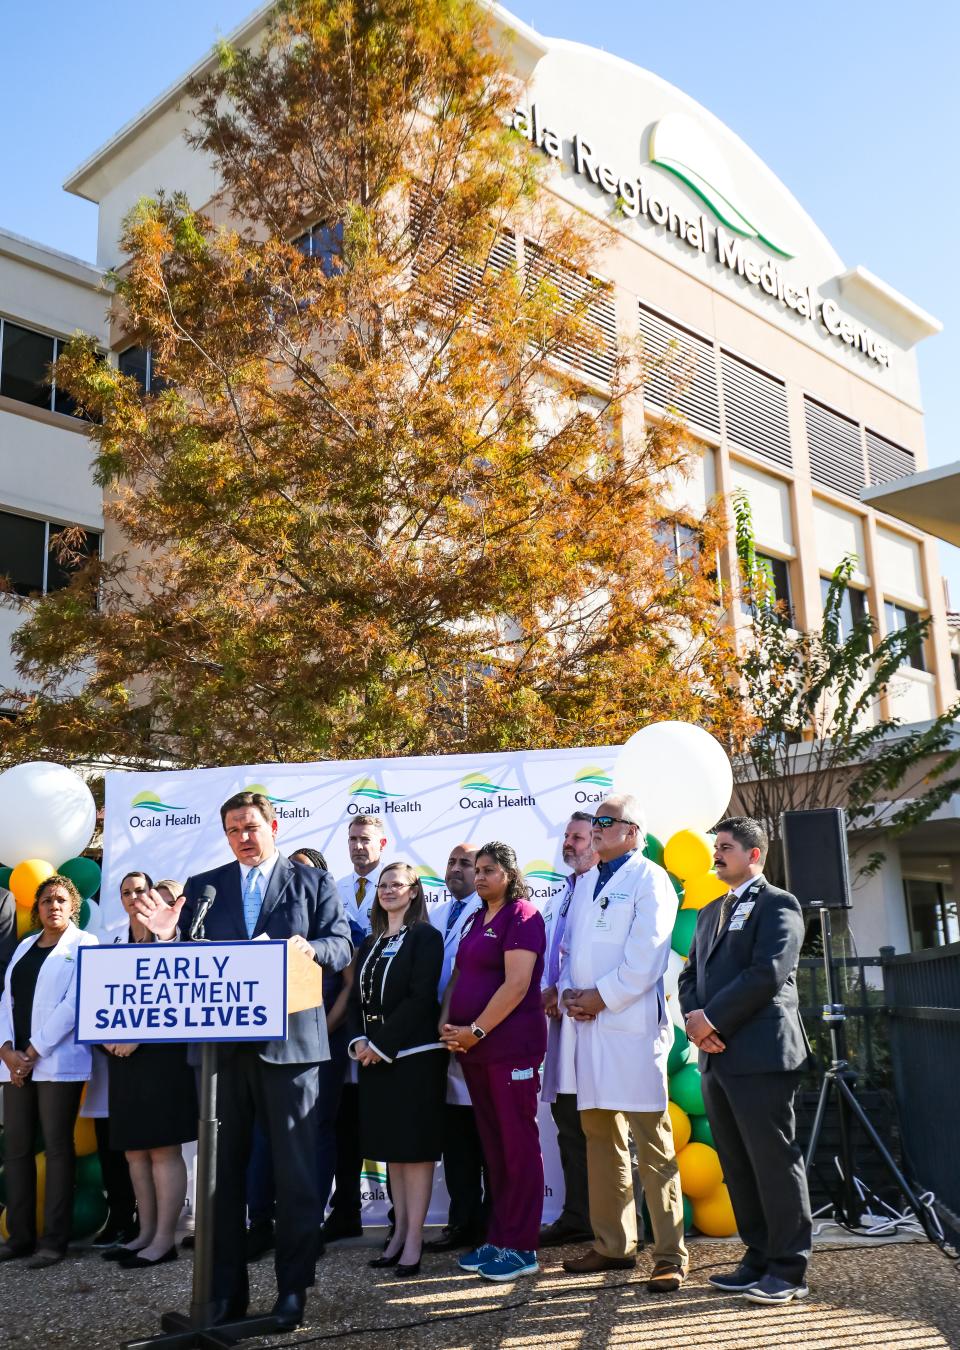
819	738
369	508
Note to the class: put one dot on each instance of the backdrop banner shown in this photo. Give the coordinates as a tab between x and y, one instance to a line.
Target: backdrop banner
168	824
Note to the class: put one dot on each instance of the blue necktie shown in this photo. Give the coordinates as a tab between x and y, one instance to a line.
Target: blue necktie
252	900
456	909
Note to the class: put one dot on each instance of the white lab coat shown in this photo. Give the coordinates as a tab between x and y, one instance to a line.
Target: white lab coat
347	886
54	1011
457	1093
621	948
559	1066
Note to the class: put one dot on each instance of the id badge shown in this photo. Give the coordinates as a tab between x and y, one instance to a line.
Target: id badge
392	947
602	922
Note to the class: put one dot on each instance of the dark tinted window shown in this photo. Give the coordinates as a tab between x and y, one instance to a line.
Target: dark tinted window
135	361
60	570
22	551
324	242
777	572
897	617
853	606
683	544
25	365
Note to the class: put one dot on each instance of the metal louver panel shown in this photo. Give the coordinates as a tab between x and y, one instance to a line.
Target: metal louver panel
836	456
688	379
595	352
888	461
755	410
437	249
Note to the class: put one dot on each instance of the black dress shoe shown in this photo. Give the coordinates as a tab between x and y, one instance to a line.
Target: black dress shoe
452	1240
228	1310
137	1262
288	1310
115	1235
260	1239
559	1235
384	1262
337	1228
11	1253
118	1253
405	1272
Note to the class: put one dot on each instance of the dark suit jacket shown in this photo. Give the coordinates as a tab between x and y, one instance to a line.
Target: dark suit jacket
8	930
300	900
405	1002
746	984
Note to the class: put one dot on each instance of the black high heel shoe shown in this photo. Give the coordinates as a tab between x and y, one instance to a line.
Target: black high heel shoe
136	1262
385	1262
405	1272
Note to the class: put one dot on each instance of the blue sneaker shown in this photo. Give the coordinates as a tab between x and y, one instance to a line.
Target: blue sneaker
771	1289
508	1263
478	1257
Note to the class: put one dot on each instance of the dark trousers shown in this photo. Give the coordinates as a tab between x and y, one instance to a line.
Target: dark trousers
54	1107
573	1159
283	1097
754	1128
261	1187
121	1201
465	1172
506	1115
345	1202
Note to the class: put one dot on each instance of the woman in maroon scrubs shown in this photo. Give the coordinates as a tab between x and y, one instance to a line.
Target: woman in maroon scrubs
493	1018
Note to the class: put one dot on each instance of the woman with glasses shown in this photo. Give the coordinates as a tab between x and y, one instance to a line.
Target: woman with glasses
393	1036
493	1018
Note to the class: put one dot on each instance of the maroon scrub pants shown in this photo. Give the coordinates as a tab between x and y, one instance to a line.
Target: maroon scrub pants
505	1108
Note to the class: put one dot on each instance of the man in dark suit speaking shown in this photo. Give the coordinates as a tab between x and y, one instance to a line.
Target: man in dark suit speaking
738	993
263	892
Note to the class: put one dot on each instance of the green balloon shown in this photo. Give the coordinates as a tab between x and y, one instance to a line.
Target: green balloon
653	849
684	924
687	1214
89	1212
677	885
89	1175
681	1052
648	1226
84	917
686	1091
5	875
700	1131
84	873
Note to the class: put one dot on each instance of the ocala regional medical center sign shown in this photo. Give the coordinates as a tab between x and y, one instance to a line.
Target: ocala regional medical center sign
637	201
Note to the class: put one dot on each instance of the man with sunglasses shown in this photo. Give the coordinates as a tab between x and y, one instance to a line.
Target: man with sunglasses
615	950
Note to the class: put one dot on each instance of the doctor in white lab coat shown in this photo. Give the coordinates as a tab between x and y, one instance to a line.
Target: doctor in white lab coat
559	1068
462	1154
615	951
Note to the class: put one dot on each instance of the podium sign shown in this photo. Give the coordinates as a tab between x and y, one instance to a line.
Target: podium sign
182	991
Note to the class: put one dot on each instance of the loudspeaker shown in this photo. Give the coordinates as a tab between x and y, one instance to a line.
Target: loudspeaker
815	857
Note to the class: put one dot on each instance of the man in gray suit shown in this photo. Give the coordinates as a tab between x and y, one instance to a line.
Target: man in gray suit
8	930
738	993
264	893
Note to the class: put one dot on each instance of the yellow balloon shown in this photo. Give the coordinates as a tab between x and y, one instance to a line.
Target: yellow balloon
26	877
688	853
713	1215
681	1126
84	1136
700	1170
701	890
24	922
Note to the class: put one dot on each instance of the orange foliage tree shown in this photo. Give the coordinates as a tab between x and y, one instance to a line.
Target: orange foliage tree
371	507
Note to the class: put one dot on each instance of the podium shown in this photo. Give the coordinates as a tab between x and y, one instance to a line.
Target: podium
205	993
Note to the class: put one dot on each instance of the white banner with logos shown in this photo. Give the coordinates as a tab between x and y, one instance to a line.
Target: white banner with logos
168	824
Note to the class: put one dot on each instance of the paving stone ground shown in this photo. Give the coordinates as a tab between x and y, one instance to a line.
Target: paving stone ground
903	1296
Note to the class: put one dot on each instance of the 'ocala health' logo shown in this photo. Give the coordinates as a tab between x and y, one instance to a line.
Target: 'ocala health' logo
283	807
592	785
480	794
148	812
367	797
543	881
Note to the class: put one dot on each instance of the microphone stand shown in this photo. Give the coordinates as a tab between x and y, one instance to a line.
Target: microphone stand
183	1331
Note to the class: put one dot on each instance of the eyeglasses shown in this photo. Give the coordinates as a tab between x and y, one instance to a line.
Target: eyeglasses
604	822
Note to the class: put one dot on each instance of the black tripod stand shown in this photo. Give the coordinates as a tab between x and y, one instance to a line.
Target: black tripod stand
838	1080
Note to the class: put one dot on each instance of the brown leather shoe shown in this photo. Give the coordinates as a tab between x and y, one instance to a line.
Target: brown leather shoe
667	1277
593	1262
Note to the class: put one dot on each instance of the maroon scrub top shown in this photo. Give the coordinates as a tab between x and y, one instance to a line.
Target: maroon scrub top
522	1036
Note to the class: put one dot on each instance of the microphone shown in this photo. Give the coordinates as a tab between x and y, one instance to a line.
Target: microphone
207	897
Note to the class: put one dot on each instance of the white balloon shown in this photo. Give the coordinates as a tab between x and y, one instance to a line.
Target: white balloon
680	775
46	811
675	964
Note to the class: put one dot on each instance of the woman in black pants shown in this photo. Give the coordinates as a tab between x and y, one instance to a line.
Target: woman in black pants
43	1072
393	1018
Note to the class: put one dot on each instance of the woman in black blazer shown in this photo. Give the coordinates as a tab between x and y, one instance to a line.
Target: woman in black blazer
393	1020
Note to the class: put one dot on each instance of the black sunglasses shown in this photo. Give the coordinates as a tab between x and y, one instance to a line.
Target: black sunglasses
604	822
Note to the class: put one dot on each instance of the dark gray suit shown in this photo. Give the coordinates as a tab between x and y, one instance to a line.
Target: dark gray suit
744	980
275	1082
8	930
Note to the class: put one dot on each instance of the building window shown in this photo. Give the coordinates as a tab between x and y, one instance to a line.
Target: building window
25	360
28	560
853	607
138	363
777	572
897	618
324	242
931	914
683	545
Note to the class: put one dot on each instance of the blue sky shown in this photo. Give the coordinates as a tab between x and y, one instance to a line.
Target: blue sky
852	105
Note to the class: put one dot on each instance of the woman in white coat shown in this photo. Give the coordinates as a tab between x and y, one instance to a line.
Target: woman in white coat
43	1072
